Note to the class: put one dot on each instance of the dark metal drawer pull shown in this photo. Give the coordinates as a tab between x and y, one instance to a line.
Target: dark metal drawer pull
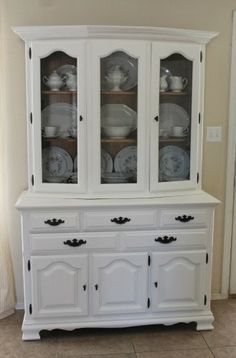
184	218
54	222
75	242
120	220
165	239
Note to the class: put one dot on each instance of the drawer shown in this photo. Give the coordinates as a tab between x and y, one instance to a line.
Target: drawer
53	221
184	218
72	242
163	240
119	219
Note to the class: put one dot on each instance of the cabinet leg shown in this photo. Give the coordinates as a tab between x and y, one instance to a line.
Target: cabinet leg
30	335
205	325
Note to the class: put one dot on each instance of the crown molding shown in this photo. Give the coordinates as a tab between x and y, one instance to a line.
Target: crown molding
33	33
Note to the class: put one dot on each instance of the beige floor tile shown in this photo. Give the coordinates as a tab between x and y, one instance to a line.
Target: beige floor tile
75	346
27	350
221	336
199	353
226	352
168	339
128	355
14	319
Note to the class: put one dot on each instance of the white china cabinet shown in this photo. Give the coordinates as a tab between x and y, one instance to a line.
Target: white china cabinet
116	230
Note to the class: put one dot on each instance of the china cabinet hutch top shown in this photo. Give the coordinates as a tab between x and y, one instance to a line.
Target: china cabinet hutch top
114	111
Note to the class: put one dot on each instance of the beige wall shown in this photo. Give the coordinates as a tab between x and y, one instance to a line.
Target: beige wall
214	15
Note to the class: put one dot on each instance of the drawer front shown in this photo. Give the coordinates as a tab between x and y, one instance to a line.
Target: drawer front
54	221
163	240
185	218
72	242
119	219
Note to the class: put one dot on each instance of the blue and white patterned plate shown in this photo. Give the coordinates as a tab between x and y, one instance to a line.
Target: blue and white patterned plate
126	160
56	162
174	163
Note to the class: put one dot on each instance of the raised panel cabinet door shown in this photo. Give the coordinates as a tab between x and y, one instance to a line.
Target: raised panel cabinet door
59	286
176	116
58	116
178	280
120	283
120	82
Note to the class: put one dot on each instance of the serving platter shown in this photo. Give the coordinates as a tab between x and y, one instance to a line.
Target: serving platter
62	115
116	115
126	63
172	115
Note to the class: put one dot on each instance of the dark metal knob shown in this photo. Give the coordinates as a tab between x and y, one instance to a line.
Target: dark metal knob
75	242
165	239
120	220
184	218
54	222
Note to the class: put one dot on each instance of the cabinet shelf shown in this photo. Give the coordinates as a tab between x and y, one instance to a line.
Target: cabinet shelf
169	93
60	139
119	140
119	93
174	140
57	93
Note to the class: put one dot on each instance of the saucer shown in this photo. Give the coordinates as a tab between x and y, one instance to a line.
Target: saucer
179	136
50	136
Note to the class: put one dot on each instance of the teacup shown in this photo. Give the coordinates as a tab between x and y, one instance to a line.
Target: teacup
50	131
163	132
179	131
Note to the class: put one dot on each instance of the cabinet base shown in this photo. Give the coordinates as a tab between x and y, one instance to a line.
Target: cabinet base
31	329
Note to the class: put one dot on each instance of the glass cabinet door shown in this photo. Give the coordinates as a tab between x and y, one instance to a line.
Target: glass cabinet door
176	101
59	131
120	102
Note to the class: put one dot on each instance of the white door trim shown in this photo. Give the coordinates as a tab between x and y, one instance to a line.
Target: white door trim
229	202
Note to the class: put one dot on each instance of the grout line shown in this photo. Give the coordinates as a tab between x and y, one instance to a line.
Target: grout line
207	344
134	349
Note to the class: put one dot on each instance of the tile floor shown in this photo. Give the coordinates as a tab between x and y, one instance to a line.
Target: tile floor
178	341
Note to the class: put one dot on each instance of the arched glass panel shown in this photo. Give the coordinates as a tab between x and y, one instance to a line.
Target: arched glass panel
59	118
118	122
175	118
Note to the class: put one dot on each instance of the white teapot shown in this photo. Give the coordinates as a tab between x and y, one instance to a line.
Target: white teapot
54	81
71	81
163	83
116	77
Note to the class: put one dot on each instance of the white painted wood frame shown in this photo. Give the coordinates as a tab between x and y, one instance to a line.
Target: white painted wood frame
229	205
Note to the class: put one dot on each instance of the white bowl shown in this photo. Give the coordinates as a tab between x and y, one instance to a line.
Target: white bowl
56	179
116	177
116	132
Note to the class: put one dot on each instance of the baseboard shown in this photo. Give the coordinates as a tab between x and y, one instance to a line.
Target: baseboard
219	296
19	306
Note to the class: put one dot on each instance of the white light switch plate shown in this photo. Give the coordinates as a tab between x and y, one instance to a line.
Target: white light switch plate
214	134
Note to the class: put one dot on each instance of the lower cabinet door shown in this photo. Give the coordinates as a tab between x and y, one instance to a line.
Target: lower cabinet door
59	286
120	283
178	280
